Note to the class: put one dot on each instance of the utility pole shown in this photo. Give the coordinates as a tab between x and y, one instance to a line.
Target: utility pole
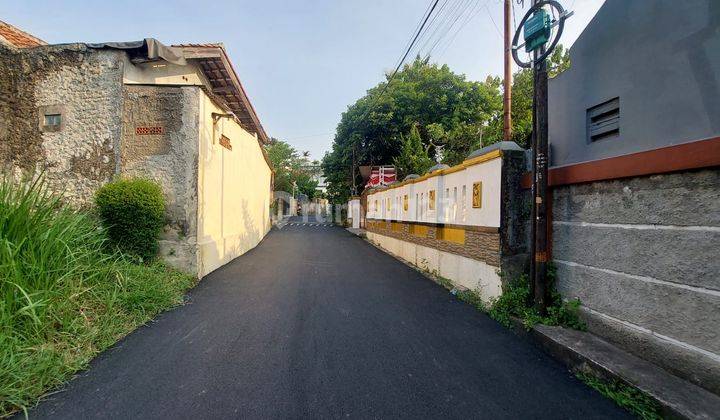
540	170
537	28
507	82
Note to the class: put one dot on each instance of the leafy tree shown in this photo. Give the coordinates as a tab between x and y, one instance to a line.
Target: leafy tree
413	157
447	109
372	130
522	100
293	170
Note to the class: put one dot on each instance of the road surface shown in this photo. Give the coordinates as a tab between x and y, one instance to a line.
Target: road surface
317	323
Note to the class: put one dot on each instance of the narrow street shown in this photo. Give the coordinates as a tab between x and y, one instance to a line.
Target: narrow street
317	323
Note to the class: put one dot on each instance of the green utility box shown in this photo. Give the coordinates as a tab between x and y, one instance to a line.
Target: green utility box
537	30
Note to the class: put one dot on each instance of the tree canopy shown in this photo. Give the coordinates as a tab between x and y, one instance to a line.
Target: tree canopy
429	102
292	169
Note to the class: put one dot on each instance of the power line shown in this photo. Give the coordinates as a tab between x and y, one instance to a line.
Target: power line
493	21
464	11
469	17
390	79
442	27
402	60
407	44
431	23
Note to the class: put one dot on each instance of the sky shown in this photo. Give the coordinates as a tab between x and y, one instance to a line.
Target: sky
301	62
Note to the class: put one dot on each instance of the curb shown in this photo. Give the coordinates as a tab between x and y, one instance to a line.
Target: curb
583	352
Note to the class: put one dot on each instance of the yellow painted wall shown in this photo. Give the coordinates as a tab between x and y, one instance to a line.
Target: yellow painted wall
162	73
233	191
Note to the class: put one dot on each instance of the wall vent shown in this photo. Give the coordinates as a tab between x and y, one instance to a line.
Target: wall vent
603	120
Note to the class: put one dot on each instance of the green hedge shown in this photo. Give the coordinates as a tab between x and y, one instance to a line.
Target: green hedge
133	212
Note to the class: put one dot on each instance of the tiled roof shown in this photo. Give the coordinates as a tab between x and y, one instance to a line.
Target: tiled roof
225	83
18	38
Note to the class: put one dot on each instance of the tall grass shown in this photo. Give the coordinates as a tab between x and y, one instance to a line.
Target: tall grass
64	296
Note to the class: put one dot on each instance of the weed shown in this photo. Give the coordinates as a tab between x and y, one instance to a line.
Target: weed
63	296
472	298
625	396
514	303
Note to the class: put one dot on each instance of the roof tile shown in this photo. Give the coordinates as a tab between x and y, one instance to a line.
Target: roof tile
19	38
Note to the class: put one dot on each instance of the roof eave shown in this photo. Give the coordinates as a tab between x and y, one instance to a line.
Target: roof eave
217	51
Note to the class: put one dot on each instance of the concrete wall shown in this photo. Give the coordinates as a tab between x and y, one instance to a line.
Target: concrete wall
85	87
353	213
465	272
162	73
642	255
233	190
660	58
453	197
449	235
171	159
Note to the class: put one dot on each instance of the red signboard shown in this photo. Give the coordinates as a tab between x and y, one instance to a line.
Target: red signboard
225	142
381	176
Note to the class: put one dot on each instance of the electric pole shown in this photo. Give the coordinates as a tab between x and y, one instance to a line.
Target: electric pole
507	82
537	29
540	150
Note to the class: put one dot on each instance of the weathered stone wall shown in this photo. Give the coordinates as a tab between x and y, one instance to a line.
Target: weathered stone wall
170	158
85	87
642	255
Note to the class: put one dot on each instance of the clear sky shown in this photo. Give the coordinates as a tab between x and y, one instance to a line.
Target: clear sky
301	62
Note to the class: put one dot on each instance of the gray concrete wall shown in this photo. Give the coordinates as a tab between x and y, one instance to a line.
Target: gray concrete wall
170	159
660	58
641	254
85	86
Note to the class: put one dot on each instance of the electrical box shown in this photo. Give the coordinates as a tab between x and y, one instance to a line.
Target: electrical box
537	30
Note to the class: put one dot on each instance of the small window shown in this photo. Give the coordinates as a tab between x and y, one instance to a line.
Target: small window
603	121
52	119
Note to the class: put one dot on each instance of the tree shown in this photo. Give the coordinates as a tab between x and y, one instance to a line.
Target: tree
522	99
413	157
293	171
372	130
446	109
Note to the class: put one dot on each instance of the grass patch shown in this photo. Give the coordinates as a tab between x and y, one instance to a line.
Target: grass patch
624	396
515	303
64	297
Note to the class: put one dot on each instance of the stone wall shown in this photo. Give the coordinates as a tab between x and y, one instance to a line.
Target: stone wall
481	244
464	272
642	255
160	141
85	88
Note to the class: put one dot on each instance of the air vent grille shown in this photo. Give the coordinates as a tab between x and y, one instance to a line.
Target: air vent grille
603	121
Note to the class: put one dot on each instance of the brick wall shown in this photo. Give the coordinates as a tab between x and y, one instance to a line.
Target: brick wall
481	243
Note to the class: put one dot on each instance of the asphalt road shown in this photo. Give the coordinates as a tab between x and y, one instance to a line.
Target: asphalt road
317	323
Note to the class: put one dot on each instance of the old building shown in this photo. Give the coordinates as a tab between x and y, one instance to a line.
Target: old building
635	148
86	113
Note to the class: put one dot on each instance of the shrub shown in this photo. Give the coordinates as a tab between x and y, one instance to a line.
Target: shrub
63	296
132	211
515	302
